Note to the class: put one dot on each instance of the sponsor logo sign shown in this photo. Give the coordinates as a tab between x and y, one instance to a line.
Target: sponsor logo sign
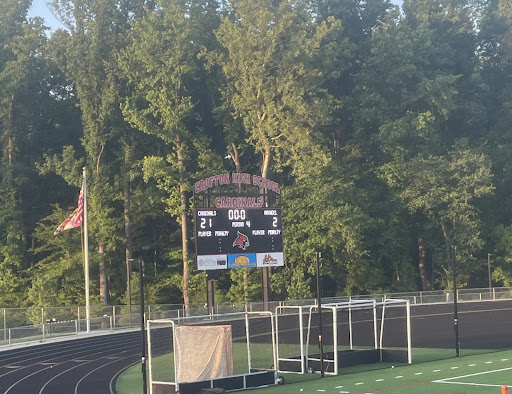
212	262
271	259
242	260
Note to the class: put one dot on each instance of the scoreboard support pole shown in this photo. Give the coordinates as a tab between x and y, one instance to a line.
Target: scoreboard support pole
211	275
266	287
210	295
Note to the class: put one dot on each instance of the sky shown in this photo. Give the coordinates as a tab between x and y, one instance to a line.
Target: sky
40	8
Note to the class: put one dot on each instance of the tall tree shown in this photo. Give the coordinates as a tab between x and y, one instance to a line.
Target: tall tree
445	189
275	61
97	31
161	64
22	93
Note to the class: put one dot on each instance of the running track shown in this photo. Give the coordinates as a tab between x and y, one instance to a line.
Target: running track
80	366
91	365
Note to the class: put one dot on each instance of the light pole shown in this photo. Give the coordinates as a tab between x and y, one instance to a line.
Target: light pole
489	270
319	302
129	286
142	327
142	323
455	316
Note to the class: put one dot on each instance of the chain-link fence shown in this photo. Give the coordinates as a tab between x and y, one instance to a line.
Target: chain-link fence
40	323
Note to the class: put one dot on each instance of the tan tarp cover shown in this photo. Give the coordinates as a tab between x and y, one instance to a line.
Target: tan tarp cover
203	352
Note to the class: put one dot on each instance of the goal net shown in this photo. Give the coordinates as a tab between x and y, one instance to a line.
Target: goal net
354	332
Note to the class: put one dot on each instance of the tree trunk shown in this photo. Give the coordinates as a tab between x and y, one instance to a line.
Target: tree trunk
10	141
184	227
265	281
235	156
103	275
127	231
421	265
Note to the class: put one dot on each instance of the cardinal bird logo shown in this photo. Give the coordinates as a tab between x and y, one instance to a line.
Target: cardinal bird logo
242	241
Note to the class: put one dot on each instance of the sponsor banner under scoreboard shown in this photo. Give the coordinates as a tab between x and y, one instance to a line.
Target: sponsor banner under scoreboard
242	260
212	262
246	260
271	259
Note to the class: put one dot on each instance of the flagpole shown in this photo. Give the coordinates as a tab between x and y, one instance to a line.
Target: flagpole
86	257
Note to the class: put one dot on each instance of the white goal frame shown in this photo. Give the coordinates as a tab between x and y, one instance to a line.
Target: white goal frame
221	319
304	359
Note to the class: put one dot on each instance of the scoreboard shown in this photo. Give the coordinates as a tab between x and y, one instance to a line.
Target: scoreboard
238	237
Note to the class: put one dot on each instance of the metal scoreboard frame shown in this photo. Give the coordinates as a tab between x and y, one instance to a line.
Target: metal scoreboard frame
238	237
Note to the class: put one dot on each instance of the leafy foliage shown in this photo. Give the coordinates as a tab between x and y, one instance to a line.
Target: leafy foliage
388	131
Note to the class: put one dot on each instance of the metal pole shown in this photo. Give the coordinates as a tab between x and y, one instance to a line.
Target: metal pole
319	303
265	286
409	350
86	256
142	327
489	270
210	293
455	318
129	286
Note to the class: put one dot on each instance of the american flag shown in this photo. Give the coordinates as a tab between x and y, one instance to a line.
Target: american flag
75	219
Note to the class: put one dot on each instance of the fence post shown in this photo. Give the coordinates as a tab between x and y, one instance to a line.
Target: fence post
78	318
42	315
5	325
110	323
76	327
43	332
114	315
9	337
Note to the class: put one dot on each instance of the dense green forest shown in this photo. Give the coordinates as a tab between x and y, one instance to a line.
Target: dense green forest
389	131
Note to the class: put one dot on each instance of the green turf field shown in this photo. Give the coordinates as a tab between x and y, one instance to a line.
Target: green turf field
481	373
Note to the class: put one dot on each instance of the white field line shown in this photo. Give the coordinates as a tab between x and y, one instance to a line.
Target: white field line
471	384
447	380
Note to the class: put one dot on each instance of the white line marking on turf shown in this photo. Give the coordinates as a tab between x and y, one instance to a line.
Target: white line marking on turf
469	384
379	380
454	367
488	362
471	365
360	383
436	370
504	359
470	375
338	387
344	392
419	373
398	377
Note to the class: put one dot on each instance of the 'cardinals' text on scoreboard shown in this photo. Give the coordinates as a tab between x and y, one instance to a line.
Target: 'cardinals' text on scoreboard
238	237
